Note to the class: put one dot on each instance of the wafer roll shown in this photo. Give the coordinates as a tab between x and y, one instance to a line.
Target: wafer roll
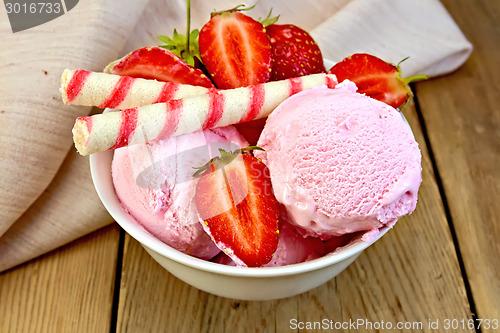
217	108
103	90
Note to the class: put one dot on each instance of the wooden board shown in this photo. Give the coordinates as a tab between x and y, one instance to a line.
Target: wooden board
68	290
462	117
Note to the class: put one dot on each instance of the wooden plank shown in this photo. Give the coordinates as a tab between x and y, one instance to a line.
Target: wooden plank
151	299
68	290
462	115
411	275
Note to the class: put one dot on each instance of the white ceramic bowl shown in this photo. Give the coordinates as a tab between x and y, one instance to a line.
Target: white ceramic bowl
241	283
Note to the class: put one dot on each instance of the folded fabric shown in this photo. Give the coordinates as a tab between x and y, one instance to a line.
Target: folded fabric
36	126
35	139
422	31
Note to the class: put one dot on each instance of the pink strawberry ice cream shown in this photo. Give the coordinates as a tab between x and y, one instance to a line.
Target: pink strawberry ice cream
341	162
292	249
155	184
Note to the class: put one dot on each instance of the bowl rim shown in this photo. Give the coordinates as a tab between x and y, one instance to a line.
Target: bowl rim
105	189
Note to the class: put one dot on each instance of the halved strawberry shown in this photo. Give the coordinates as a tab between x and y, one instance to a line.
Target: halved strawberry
159	64
234	198
375	78
235	49
295	53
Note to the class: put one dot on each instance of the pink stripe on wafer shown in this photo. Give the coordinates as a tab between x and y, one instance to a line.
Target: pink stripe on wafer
295	85
119	92
88	123
174	109
167	92
76	84
215	109
127	127
257	96
330	83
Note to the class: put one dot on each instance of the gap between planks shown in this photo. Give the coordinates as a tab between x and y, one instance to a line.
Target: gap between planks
446	207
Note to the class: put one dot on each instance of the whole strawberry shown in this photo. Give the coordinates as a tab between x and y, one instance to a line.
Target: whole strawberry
235	49
375	78
235	201
295	53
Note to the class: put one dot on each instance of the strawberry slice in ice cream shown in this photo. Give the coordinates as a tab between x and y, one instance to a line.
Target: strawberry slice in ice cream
237	207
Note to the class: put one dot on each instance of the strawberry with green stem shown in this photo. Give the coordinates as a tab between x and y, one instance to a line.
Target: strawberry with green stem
235	201
235	49
376	78
173	62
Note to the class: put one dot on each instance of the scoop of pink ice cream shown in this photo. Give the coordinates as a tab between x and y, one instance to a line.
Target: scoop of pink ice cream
155	184
340	161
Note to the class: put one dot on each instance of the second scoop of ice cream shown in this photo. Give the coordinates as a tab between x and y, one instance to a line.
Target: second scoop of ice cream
340	161
155	184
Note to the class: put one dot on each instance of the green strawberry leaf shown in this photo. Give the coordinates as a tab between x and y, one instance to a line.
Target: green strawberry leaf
185	46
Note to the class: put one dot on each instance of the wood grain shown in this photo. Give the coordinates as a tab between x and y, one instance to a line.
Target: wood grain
462	117
68	290
411	275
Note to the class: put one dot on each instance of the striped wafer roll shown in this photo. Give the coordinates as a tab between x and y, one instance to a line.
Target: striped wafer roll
217	108
103	90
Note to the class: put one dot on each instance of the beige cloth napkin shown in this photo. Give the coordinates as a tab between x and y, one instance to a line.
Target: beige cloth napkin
46	195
